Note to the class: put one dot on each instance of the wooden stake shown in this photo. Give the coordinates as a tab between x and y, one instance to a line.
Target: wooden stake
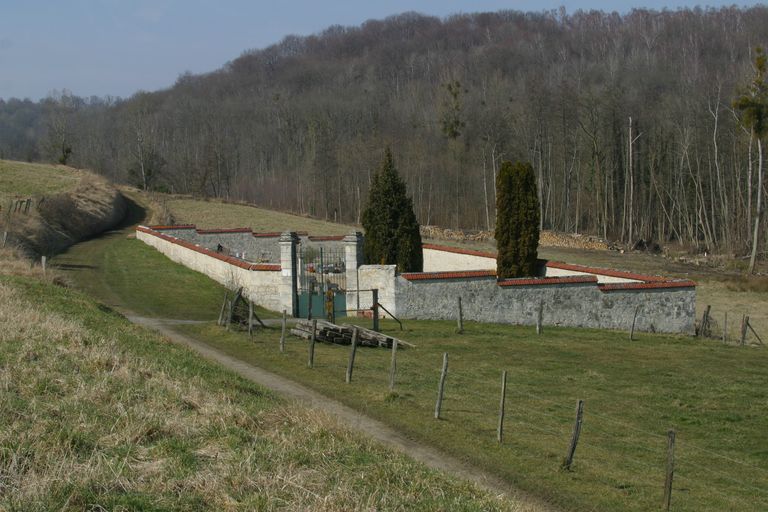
311	362
725	328
352	350
223	308
375	310
670	470
250	319
634	319
539	317
744	322
574	436
5	238
42	263
753	331
441	386
704	328
393	366
459	316
500	429
282	335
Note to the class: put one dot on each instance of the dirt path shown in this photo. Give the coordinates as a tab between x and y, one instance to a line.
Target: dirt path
349	417
88	266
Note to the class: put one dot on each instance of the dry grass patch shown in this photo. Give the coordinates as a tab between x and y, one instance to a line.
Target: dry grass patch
97	414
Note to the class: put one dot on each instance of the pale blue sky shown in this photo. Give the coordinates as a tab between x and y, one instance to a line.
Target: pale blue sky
114	47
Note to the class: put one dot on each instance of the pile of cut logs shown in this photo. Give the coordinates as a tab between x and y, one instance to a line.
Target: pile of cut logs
342	334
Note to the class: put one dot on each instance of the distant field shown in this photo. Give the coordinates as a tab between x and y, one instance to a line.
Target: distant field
213	214
25	180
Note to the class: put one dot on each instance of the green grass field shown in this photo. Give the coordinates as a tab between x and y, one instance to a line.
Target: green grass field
98	414
23	180
714	396
213	214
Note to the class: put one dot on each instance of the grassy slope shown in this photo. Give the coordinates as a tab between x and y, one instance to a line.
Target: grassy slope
25	180
725	292
212	214
713	395
96	413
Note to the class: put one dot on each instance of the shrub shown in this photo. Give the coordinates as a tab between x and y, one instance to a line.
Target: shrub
517	221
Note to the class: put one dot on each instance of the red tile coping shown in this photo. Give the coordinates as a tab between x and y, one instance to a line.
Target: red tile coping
559	265
327	238
227	230
684	283
421	276
458	250
537	281
229	259
180	226
273	234
605	272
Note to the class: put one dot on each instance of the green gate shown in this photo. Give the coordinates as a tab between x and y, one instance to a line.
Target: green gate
322	282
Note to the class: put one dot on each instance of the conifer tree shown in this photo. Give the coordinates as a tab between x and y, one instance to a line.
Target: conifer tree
517	221
391	231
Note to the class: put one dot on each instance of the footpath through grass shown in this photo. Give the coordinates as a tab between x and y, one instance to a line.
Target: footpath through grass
128	274
714	396
98	414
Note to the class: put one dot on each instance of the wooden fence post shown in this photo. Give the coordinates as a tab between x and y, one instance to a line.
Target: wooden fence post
250	319
223	308
459	316
725	328
500	430
634	319
352	350
393	366
311	361
5	238
441	386
704	328
540	317
282	334
574	436
744	321
43	261
375	308
670	469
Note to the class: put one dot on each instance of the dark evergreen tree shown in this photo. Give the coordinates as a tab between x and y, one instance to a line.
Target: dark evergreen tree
391	231
517	221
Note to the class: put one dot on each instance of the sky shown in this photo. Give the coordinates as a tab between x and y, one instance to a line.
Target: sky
118	47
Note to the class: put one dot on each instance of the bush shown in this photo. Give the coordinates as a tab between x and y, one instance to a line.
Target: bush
517	221
391	231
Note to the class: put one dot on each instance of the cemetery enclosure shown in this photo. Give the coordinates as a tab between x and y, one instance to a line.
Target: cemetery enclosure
282	271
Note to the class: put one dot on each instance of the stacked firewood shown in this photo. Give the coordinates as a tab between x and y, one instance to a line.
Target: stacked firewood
342	334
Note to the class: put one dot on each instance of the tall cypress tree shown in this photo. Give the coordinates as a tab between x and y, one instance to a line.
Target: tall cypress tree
391	231
517	221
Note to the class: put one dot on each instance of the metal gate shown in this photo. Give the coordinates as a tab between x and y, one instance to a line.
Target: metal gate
322	282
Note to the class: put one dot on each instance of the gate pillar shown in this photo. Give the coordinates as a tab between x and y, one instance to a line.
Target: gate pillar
353	258
289	272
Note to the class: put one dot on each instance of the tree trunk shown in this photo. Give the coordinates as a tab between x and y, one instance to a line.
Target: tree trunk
758	207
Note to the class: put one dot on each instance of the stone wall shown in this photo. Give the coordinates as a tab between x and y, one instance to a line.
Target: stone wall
260	283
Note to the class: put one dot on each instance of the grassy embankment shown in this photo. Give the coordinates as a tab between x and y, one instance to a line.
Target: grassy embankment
67	205
713	395
96	413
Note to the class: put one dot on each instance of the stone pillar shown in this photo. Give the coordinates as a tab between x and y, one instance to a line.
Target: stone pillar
288	272
353	258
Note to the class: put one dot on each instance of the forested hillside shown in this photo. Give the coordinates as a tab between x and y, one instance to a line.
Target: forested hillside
627	120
